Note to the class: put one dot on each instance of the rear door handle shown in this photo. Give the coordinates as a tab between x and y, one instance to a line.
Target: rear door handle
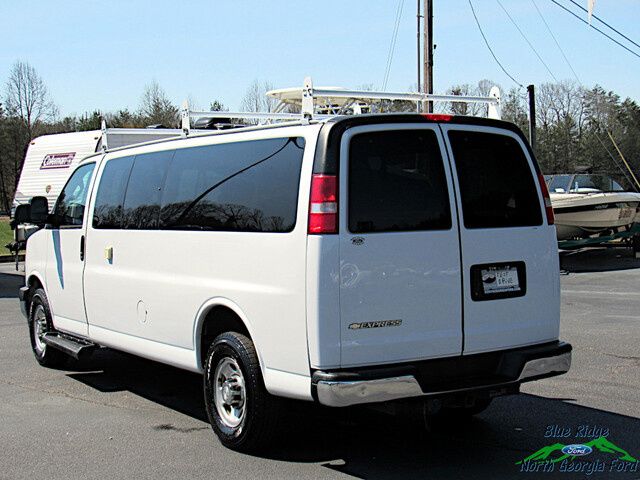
82	248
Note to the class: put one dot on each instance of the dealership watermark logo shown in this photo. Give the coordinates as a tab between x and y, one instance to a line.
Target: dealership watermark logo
588	450
57	160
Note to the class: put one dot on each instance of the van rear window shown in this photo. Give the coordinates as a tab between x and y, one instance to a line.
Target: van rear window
397	182
497	186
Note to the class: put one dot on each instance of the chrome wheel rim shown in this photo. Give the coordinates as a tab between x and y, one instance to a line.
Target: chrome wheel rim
39	329
229	392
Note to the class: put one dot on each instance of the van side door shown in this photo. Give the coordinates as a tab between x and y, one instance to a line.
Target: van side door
66	244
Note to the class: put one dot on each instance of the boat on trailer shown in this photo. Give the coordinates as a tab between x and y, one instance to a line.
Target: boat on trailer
586	204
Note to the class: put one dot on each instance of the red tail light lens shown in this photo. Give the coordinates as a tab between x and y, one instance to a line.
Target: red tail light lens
323	205
547	199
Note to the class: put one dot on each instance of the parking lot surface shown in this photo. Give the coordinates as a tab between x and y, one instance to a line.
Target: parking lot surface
119	416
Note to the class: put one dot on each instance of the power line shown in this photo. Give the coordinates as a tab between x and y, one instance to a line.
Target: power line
615	160
597	29
489	47
605	23
392	45
527	40
556	41
596	134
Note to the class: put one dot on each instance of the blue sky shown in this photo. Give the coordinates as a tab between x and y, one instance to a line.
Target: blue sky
100	54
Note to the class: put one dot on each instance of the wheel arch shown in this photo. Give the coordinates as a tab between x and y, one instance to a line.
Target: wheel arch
219	315
34	280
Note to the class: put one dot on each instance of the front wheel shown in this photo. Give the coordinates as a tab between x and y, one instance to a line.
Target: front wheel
40	323
241	411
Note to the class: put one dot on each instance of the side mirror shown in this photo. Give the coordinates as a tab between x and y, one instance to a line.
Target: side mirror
53	220
39	210
21	215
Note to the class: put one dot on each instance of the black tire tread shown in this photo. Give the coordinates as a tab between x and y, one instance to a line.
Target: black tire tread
52	358
263	413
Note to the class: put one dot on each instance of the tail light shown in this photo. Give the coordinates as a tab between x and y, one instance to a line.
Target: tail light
323	204
437	117
547	199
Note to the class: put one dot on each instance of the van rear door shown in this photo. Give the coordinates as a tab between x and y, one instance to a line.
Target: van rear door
400	284
509	250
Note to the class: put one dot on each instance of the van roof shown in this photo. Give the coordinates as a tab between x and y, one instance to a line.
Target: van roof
339	123
328	148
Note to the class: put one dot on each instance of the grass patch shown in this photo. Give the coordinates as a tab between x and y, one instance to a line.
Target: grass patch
6	235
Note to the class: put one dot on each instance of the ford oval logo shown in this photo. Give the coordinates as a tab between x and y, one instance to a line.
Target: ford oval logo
577	450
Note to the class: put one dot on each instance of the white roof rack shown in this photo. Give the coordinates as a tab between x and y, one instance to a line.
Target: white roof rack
320	103
112	138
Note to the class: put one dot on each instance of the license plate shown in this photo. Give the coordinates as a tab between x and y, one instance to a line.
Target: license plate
500	279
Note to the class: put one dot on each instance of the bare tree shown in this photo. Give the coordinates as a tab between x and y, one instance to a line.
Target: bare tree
4	166
28	98
255	99
482	89
156	107
28	110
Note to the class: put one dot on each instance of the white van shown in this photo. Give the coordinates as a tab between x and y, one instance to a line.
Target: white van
358	259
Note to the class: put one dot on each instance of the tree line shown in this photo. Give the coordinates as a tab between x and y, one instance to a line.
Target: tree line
575	124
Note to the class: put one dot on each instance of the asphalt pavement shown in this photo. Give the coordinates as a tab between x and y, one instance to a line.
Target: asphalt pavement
119	416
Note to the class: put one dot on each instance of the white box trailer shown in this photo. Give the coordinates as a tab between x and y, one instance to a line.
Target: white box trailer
50	159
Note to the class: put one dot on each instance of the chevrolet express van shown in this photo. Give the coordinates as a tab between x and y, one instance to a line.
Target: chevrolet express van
358	259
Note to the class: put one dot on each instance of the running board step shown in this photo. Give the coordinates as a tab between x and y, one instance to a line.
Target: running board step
74	346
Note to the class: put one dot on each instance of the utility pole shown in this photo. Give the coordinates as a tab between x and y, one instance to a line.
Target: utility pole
428	51
419	45
532	117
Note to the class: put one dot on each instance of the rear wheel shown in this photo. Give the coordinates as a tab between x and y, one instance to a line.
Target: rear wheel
40	323
241	411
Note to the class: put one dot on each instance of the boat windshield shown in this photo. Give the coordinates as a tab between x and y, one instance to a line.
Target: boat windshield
586	183
559	183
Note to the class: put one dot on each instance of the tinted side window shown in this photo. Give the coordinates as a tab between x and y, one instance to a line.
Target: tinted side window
497	185
397	182
73	198
107	212
246	186
142	200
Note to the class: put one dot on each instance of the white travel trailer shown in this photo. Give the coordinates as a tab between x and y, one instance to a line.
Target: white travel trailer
50	159
344	260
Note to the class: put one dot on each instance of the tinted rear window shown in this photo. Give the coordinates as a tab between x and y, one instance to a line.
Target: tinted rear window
497	186
397	182
246	186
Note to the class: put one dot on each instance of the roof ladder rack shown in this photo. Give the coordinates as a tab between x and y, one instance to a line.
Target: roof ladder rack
319	103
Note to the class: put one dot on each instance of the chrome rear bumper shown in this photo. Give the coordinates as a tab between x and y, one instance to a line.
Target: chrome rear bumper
336	389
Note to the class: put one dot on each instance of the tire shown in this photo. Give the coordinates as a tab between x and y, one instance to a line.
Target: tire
242	413
40	323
